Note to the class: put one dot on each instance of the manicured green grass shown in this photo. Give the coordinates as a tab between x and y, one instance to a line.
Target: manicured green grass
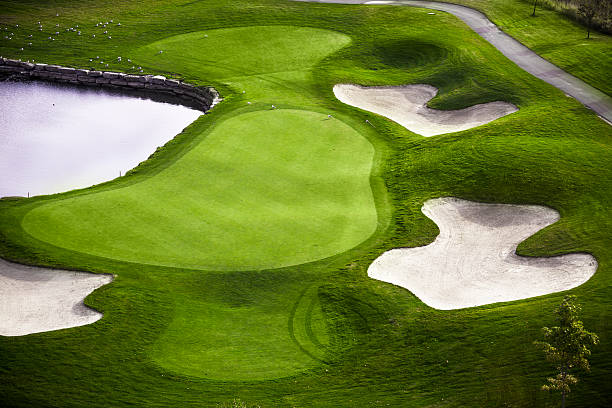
319	334
263	189
242	51
232	341
554	37
286	186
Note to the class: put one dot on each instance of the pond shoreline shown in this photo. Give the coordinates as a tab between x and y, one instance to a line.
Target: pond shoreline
153	86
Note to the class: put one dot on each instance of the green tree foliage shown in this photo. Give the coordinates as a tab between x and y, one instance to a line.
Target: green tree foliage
592	9
567	347
594	14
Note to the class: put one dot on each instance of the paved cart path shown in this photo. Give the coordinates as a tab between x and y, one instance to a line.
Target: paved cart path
514	50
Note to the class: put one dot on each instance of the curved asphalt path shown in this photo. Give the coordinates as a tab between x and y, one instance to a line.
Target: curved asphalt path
522	56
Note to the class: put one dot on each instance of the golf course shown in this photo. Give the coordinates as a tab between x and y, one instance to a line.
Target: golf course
249	261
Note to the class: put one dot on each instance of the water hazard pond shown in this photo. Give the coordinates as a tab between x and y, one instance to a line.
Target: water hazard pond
55	138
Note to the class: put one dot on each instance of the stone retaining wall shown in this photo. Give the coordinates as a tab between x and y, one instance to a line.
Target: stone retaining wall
202	98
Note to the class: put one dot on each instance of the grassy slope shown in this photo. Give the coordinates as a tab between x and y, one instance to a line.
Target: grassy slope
553	36
395	350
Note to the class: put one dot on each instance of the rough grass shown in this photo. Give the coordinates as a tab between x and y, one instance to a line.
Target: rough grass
370	344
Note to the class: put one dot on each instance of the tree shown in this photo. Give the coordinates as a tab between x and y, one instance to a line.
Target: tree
567	347
589	9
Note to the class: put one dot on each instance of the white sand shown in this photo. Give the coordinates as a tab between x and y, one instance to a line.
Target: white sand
34	300
473	261
406	105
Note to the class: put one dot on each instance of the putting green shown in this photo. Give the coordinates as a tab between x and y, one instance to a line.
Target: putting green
271	64
284	187
241	51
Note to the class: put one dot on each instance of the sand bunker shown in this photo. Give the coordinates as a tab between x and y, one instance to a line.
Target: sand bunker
473	261
406	105
34	300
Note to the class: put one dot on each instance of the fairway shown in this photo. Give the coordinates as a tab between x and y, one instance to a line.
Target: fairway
285	186
251	341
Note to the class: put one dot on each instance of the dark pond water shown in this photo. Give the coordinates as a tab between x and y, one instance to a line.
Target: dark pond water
55	138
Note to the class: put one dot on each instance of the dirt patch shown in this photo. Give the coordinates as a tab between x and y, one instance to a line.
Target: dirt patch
406	105
34	300
473	260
